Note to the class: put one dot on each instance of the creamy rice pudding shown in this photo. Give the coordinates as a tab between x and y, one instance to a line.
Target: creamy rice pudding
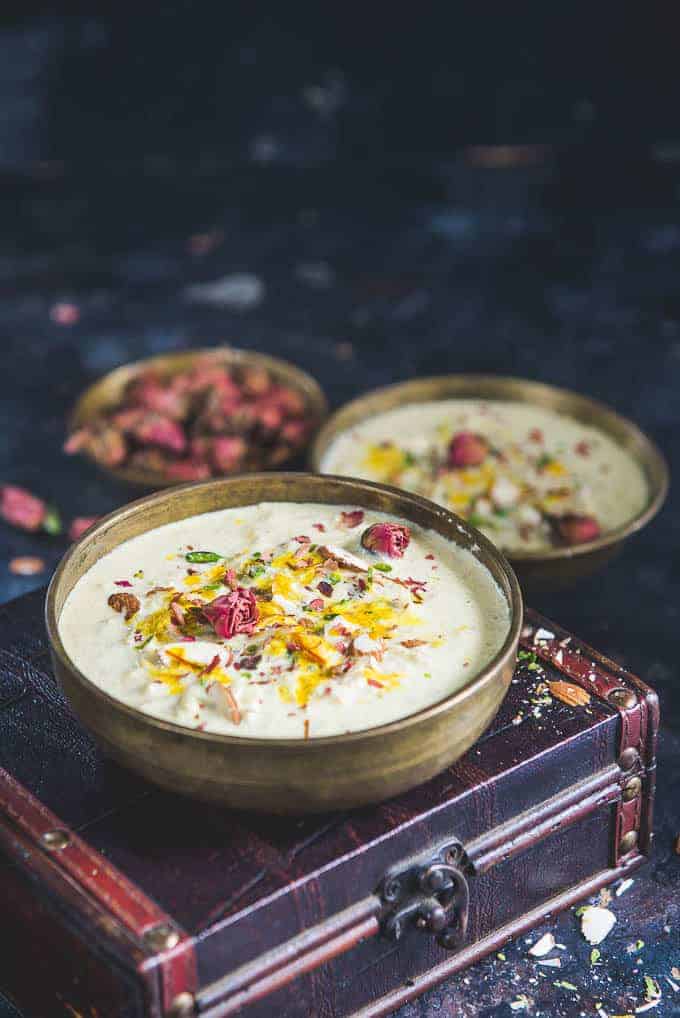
284	620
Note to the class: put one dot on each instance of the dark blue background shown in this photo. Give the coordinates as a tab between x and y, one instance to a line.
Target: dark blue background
351	163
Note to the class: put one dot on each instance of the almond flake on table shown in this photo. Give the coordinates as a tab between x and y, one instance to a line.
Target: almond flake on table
27	565
543	946
596	923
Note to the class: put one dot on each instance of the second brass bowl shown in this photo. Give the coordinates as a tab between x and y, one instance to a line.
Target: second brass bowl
555	568
108	391
284	775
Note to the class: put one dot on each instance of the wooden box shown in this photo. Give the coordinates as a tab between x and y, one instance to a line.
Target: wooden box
120	900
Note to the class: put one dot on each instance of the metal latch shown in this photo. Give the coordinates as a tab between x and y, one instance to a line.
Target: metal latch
429	892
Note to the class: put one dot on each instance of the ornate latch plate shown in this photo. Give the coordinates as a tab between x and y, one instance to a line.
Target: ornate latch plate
430	893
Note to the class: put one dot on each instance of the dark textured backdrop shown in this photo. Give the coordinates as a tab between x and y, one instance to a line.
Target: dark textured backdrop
353	168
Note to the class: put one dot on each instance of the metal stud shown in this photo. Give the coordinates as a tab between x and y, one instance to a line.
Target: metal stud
632	789
56	840
183	1006
623	698
628	759
161	938
628	842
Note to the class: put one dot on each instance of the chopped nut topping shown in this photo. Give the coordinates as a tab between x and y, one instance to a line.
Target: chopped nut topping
127	603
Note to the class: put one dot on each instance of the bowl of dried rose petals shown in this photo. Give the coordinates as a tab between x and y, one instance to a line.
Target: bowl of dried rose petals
195	414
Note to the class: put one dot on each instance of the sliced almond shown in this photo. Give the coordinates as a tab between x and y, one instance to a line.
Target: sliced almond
543	946
568	693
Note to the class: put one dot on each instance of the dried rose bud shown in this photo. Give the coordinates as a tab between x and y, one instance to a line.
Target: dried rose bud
76	441
127	603
467	450
291	402
390	539
203	375
269	417
278	454
233	613
152	394
20	508
79	525
188	470
228	452
108	447
295	431
575	529
152	460
256	381
161	431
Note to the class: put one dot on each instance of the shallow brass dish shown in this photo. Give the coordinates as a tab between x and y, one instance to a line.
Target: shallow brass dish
284	775
555	568
108	390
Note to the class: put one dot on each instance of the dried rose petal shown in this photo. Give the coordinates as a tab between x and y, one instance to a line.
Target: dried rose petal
573	528
20	508
26	565
233	613
467	450
79	525
230	579
352	518
390	539
65	313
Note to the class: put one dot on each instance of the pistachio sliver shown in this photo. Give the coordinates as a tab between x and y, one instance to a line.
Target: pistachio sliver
203	556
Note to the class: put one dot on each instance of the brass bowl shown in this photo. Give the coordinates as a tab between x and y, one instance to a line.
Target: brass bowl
284	775
554	568
107	393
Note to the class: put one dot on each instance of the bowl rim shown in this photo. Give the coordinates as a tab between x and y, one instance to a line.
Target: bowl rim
297	377
488	673
653	462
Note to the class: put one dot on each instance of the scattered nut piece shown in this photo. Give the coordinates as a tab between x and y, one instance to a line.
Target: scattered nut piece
605	897
568	693
26	565
127	603
543	946
596	923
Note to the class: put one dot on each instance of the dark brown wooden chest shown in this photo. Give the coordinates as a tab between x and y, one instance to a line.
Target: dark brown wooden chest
121	900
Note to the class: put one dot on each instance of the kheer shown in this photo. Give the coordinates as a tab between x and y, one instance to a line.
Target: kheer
528	477
284	620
